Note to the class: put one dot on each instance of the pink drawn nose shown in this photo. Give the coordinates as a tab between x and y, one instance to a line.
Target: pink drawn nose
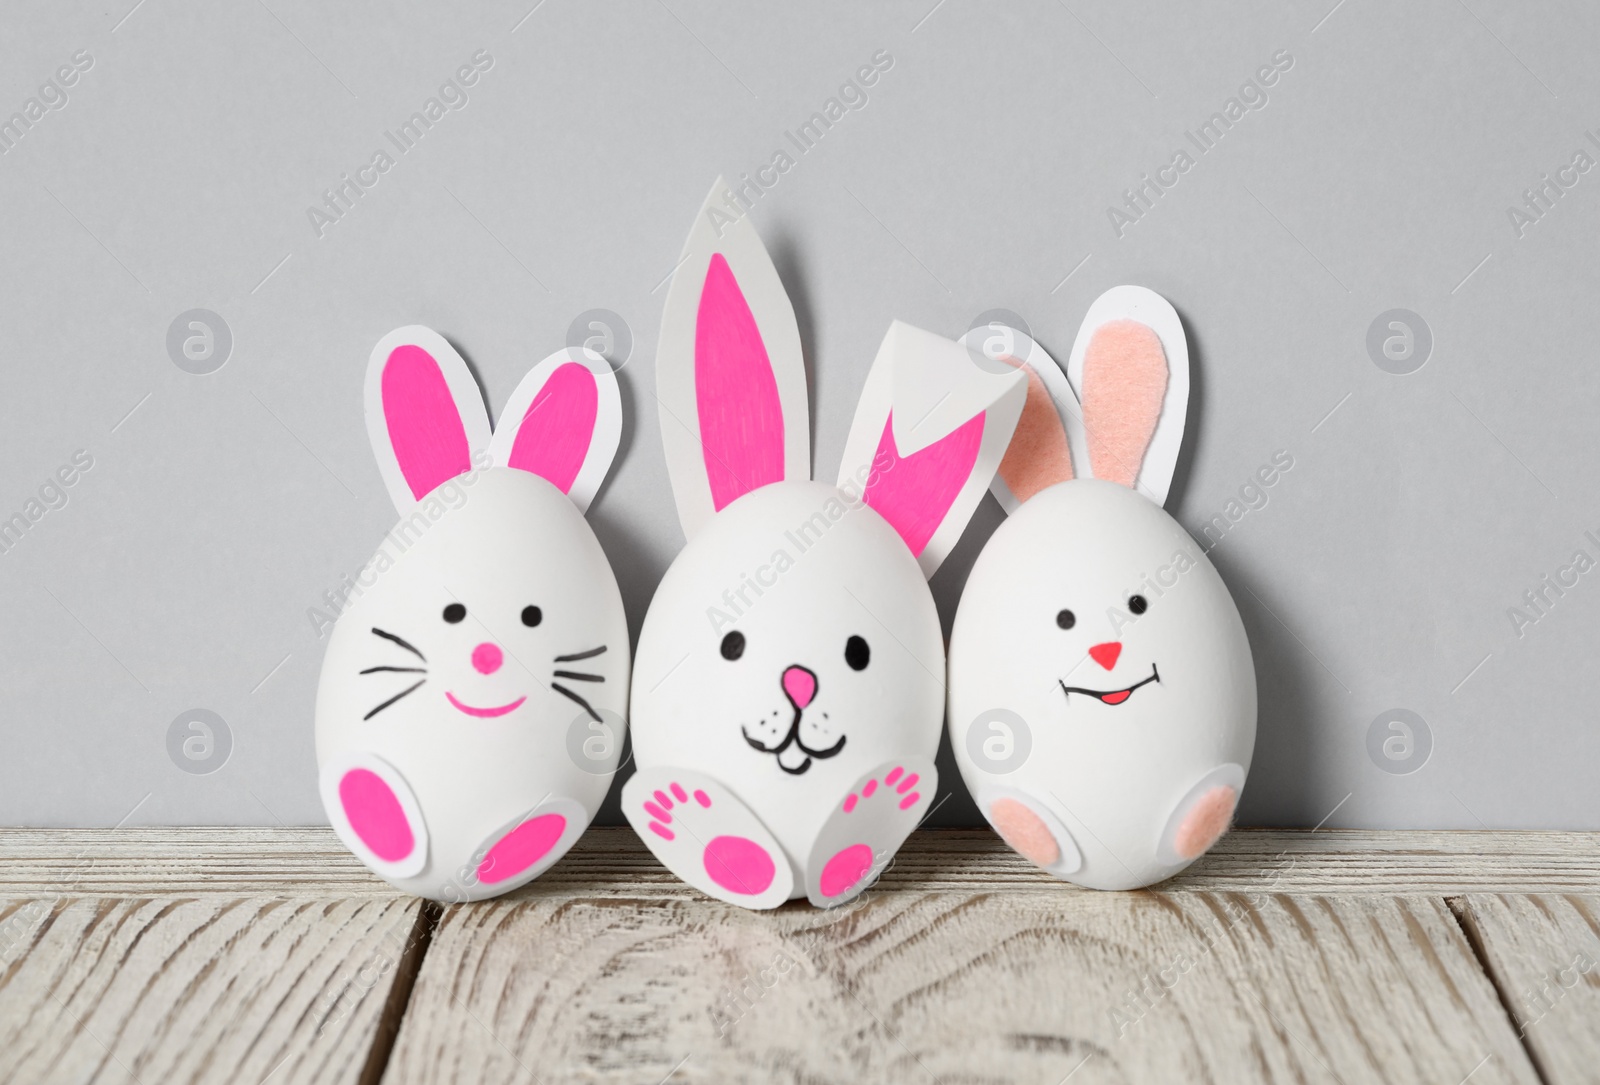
487	658
801	685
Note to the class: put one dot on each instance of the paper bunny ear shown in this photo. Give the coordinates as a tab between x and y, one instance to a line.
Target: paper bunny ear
730	379
1048	440
1130	366
563	423
425	414
933	423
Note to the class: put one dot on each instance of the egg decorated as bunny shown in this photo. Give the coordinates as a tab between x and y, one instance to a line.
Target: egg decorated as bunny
788	683
471	707
1102	691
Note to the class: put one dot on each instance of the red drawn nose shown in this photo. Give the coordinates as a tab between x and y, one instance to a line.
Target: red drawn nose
487	658
1106	654
800	685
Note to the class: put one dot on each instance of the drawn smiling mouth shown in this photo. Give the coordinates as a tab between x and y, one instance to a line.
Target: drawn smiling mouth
793	739
1111	697
485	713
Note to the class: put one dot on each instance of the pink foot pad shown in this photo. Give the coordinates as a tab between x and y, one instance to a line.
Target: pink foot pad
701	832
739	865
1032	830
375	814
1205	822
521	848
525	847
845	870
866	828
1202	815
1025	831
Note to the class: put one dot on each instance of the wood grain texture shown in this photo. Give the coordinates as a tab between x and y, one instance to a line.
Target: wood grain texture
310	861
958	987
187	990
1543	953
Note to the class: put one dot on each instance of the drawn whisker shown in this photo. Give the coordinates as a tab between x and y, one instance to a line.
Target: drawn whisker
402	670
567	693
396	697
408	646
575	656
578	676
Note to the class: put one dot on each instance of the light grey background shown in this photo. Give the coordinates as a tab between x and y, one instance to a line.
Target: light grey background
1378	576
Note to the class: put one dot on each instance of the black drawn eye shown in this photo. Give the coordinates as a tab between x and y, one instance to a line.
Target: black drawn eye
733	645
532	616
857	653
454	613
1066	619
1138	604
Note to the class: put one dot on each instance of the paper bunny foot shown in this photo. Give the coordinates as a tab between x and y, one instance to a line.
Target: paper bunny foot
530	844
375	814
1203	815
707	837
1031	830
867	828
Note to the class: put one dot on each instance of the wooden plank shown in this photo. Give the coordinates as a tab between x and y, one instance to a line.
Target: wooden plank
1543	953
242	861
183	990
949	986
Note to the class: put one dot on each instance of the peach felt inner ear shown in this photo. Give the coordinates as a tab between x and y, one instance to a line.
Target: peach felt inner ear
1038	456
1124	383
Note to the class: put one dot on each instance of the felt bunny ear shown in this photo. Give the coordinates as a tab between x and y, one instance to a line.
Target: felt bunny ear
1130	366
933	422
1049	437
563	423
425	414
730	379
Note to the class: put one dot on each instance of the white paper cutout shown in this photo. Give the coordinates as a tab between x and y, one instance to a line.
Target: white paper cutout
603	441
867	827
941	385
1068	409
1154	311
696	826
333	773
717	230
1228	775
463	389
577	820
1071	859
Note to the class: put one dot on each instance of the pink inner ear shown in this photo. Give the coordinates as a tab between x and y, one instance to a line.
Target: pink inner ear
736	393
425	428
1038	456
1124	382
553	436
915	492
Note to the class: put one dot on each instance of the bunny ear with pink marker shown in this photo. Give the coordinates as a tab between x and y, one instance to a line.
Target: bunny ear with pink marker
425	413
730	378
563	423
931	427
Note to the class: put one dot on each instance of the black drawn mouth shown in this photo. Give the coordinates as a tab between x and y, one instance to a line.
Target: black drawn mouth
1114	696
793	739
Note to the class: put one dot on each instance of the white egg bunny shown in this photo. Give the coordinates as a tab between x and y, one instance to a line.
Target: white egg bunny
1102	693
470	710
789	679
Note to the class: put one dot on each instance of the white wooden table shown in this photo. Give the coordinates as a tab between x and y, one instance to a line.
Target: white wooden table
245	955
